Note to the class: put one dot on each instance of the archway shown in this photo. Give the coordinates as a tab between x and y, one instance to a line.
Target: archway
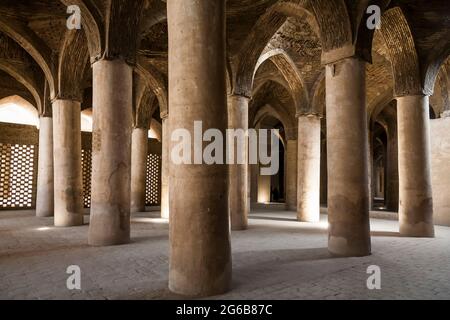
269	189
15	109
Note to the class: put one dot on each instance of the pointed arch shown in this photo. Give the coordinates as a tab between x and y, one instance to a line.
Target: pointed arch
71	67
402	52
35	46
156	82
292	76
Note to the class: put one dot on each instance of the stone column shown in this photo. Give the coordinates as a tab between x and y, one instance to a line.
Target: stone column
111	153
414	152
139	151
392	168
254	173
67	163
308	169
238	173
165	168
45	189
323	174
291	175
200	255
348	172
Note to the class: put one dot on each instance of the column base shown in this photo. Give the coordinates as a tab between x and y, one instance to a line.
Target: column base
184	288
42	214
340	247
108	241
75	221
418	230
239	228
301	217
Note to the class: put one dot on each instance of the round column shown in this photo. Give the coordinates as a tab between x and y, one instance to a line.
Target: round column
291	175
45	189
238	172
348	173
414	159
165	169
392	199
68	180
308	169
111	153
200	254
139	151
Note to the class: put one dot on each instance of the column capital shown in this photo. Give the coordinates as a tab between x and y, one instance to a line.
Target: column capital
308	115
46	113
239	96
412	94
129	62
67	97
336	55
141	126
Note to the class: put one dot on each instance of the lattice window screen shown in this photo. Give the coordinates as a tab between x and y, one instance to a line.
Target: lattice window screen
86	163
152	190
17	174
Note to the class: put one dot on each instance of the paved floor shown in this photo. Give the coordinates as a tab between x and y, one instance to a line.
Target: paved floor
277	258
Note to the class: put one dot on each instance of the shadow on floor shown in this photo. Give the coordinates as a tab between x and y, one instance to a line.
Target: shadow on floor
162	237
385	234
18	254
272	218
269	263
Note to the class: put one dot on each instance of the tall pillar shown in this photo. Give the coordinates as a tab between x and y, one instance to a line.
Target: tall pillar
111	153
392	199
68	180
254	173
308	169
45	189
200	255
165	168
238	173
291	175
348	173
139	152
414	153
323	174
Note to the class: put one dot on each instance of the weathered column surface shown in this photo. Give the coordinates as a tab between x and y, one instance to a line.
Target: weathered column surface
308	169
139	151
68	180
348	174
238	173
291	175
165	169
414	153
45	189
200	255
111	153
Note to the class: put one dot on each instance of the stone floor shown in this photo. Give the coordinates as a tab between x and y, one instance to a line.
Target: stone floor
277	258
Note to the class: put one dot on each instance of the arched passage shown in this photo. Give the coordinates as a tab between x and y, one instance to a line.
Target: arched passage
15	109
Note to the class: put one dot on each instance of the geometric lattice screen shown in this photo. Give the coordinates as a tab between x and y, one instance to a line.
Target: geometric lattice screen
17	176
19	162
86	165
152	189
